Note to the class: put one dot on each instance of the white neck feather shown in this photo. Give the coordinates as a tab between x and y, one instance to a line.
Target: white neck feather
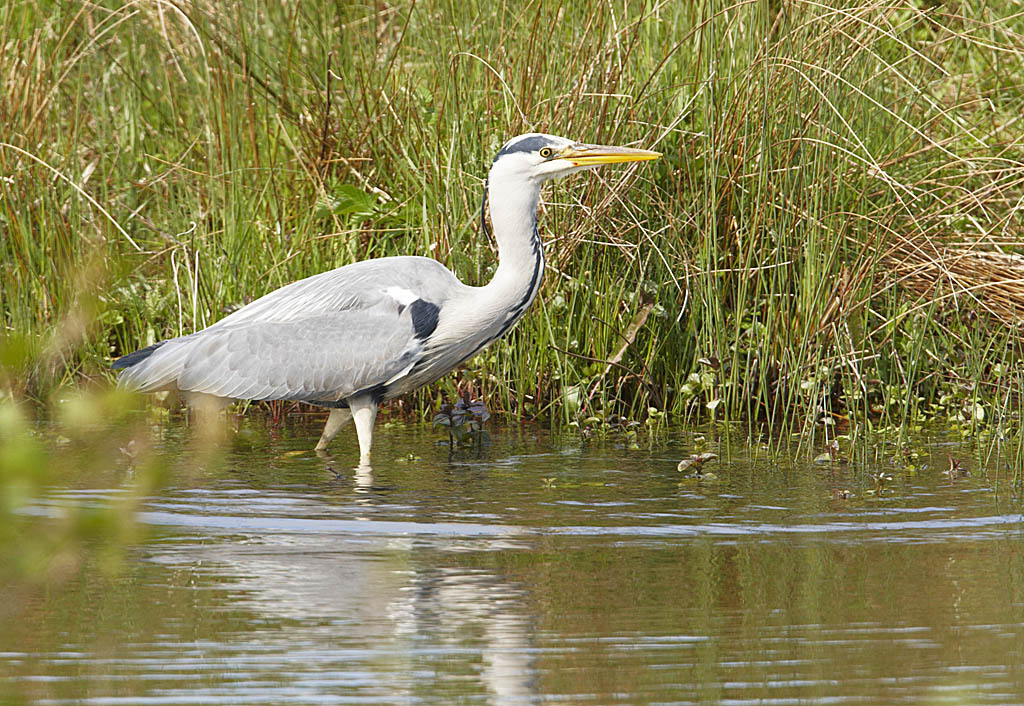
513	201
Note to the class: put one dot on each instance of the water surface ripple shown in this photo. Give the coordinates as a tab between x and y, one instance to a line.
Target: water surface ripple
529	574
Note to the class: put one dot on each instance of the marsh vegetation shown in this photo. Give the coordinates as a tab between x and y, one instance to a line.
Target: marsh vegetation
832	236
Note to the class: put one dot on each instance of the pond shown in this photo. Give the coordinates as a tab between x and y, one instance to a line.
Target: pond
535	571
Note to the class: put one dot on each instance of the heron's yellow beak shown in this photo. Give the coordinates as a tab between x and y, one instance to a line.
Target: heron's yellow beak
587	155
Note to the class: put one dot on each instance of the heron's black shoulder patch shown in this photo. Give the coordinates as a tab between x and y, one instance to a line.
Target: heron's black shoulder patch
127	361
424	317
527	144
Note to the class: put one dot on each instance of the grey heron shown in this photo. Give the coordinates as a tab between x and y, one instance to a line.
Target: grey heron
358	335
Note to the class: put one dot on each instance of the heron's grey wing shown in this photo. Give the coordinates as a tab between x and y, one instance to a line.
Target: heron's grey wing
337	332
359	285
316	358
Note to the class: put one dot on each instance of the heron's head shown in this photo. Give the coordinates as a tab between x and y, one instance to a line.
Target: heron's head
537	157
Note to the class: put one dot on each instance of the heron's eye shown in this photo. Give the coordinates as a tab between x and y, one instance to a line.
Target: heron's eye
546	152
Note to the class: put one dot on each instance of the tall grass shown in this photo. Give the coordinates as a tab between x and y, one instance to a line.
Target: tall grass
833	233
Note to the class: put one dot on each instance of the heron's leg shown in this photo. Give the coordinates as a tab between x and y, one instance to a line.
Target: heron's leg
205	416
338	418
364	412
206	406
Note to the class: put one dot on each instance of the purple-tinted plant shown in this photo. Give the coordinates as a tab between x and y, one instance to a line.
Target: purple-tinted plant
464	421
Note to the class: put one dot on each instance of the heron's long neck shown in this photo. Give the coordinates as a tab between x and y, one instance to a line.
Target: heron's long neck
520	253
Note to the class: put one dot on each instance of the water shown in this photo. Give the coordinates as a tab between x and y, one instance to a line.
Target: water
530	573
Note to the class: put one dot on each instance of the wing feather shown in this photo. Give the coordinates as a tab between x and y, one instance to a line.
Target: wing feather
315	358
322	338
356	286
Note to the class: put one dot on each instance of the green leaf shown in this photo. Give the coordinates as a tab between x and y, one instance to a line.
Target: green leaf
347	200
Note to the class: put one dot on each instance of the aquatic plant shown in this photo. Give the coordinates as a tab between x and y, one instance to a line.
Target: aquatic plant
464	422
695	463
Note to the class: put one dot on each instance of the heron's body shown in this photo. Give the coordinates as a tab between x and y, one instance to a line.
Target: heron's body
371	331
